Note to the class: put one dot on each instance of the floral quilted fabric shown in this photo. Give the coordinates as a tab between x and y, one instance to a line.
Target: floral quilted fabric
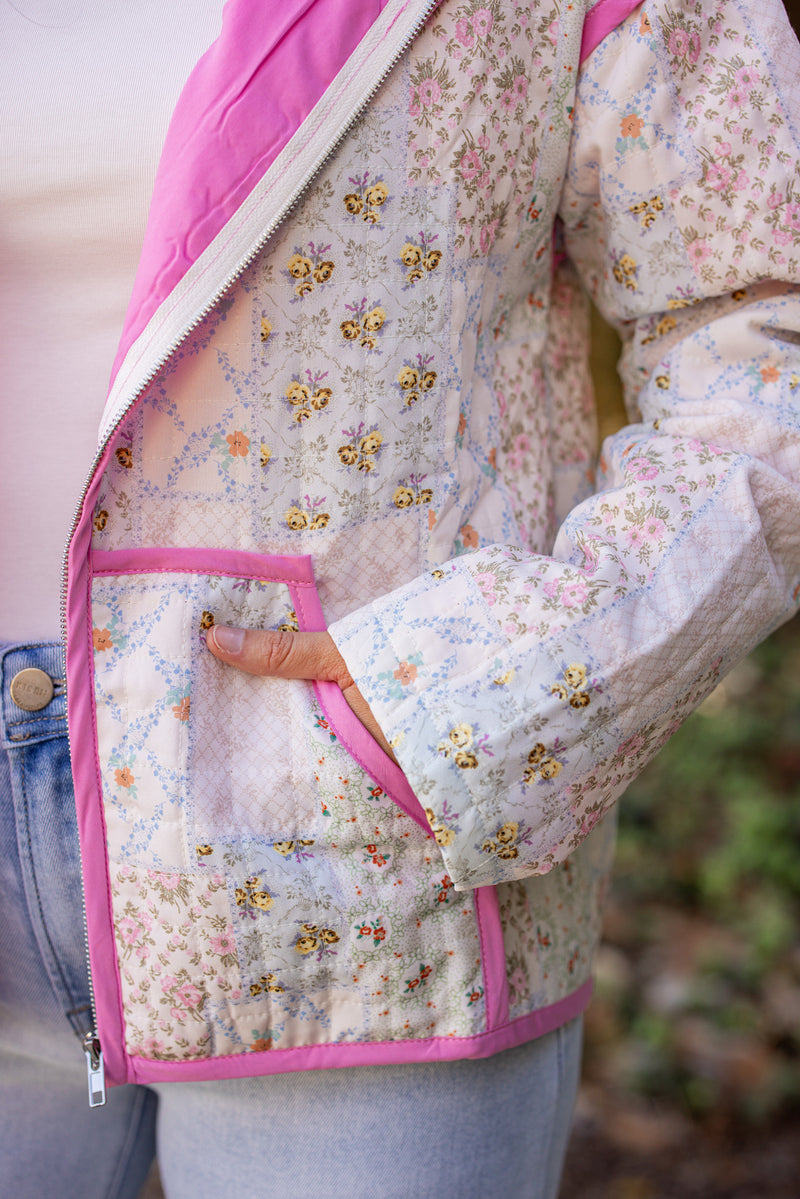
398	387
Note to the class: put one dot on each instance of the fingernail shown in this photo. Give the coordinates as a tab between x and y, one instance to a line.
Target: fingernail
228	640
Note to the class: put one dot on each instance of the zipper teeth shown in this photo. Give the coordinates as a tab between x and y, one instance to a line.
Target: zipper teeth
286	211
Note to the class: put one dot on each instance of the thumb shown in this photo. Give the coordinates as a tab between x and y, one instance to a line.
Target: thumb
280	654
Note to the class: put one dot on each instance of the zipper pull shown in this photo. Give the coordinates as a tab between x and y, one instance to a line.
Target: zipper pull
95	1070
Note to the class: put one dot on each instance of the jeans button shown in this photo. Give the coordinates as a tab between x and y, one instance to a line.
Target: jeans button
31	689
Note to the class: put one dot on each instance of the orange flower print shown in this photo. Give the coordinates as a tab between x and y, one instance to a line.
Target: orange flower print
124	777
770	373
181	711
644	25
631	125
261	1044
406	673
469	536
101	639
238	444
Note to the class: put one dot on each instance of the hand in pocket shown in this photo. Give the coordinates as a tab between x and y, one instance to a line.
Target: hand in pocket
288	655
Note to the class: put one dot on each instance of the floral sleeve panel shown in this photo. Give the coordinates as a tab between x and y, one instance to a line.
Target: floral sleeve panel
541	685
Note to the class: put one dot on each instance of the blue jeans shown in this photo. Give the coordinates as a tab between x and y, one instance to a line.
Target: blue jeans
466	1128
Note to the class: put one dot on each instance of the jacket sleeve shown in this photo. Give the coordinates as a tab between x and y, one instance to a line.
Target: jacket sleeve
524	692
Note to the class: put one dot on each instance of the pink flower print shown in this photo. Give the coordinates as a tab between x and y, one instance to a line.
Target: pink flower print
642	468
574	594
488	234
634	536
429	92
782	237
741	181
485	580
746	77
654	529
507	99
698	250
464	33
718	177
482	22
792	215
551	588
222	944
470	165
189	995
737	96
129	930
521	87
170	882
775	200
678	43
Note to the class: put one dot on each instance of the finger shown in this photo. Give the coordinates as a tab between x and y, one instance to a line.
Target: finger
282	655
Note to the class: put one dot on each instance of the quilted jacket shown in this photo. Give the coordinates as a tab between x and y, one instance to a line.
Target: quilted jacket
353	393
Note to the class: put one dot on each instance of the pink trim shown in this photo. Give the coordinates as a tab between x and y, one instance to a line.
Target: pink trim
602	19
246	564
493	956
349	730
91	821
372	1053
245	99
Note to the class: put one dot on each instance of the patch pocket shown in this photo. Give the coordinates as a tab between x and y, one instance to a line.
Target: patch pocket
188	745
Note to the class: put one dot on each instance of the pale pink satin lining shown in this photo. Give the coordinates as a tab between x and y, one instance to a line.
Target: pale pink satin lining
602	19
247	96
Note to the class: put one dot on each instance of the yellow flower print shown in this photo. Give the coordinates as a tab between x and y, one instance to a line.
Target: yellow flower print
461	735
348	455
321	398
289	625
662	381
410	255
508	832
206	620
408	378
266	328
403	497
374	320
350	330
424	496
624	271
442	835
323	271
575	674
262	900
579	699
367	198
560	691
124	457
503	679
376	194
306	944
536	754
549	768
465	759
432	260
283	847
666	325
299	266
297	392
504	843
427	381
371	443
305	288
101	520
415	274
203	851
266	454
296	518
328	936
320	520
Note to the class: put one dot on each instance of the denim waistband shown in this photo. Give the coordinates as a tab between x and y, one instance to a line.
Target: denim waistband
27	728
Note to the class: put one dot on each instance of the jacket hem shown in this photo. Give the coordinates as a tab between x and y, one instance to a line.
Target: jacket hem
375	1053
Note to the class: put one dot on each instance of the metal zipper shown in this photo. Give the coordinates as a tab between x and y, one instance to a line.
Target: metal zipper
91	1041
